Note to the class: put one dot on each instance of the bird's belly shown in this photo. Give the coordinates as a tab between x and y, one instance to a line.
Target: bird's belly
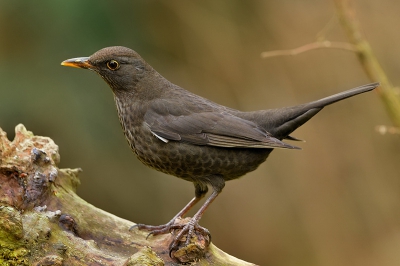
190	162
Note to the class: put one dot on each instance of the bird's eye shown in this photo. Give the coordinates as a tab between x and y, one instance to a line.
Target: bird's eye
112	65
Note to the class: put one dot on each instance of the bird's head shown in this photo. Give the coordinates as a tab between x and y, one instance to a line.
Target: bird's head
121	67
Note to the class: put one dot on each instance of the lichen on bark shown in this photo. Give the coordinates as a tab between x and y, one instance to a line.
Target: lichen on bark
44	222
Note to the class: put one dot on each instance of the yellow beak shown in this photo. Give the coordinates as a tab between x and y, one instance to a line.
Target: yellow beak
79	62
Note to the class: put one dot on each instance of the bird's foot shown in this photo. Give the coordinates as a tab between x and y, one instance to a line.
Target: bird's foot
155	229
191	240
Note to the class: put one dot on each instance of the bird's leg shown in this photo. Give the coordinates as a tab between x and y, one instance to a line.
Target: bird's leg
193	225
165	228
200	192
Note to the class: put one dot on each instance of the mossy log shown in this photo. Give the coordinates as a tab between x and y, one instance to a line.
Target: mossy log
44	222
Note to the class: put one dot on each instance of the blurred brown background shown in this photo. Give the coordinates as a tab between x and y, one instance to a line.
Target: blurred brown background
336	202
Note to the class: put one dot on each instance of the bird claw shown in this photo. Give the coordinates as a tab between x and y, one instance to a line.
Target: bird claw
187	232
155	229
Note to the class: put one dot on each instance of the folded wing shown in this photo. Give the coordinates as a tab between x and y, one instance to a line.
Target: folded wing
208	127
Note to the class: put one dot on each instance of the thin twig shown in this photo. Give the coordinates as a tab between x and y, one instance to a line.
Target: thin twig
374	70
309	47
321	35
386	129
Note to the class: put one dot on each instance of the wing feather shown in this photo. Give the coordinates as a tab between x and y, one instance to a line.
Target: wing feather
209	127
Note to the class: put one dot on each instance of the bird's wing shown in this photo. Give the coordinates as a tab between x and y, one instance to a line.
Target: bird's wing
208	127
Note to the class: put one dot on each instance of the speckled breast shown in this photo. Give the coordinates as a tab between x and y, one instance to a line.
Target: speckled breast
190	162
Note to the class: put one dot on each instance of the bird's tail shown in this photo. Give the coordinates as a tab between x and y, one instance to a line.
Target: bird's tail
342	95
281	122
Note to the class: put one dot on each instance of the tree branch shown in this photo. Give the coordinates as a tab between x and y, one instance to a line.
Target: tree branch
388	93
43	221
309	47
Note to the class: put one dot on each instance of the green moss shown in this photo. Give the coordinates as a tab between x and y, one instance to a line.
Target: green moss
16	257
11	231
146	256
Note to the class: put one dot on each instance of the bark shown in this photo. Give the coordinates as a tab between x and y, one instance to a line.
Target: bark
44	222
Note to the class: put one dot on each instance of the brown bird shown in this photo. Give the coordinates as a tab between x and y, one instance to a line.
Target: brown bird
182	134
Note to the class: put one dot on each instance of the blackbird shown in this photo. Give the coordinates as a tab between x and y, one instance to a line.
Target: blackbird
179	133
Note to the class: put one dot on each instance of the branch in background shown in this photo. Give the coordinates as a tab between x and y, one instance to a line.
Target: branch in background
321	35
368	59
309	47
358	44
387	130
